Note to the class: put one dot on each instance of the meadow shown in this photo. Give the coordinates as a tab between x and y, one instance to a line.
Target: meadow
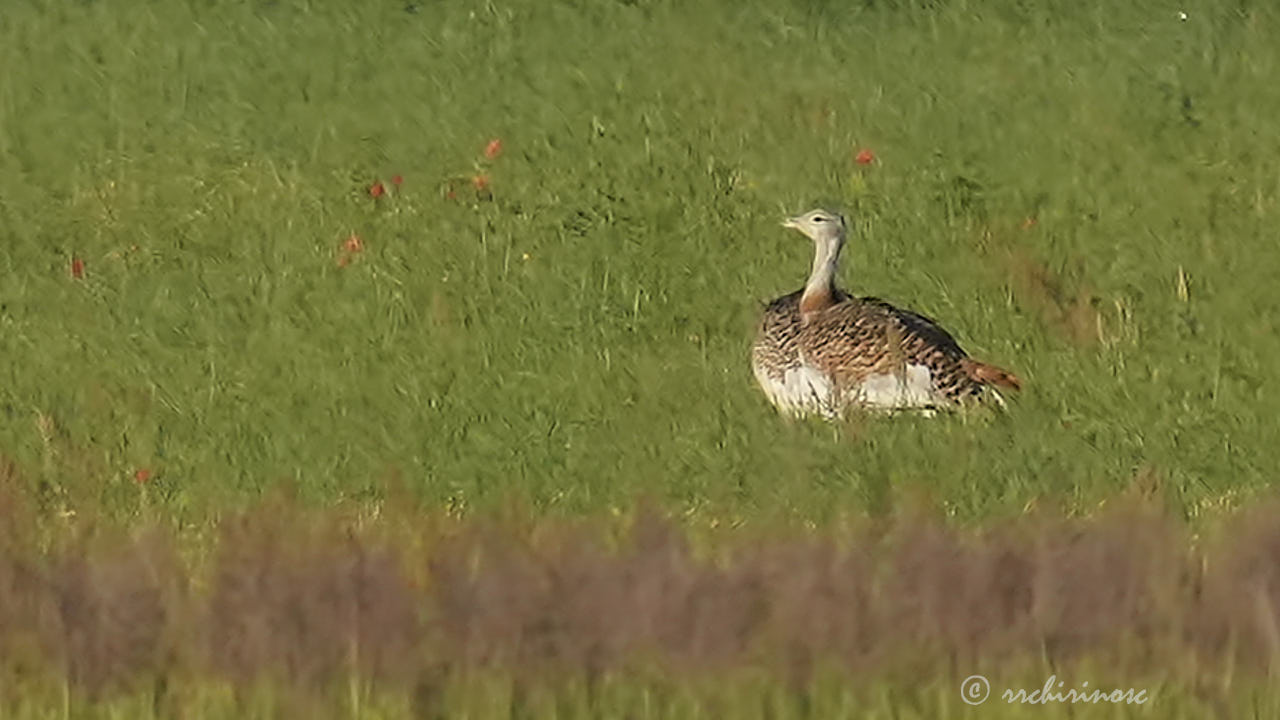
504	259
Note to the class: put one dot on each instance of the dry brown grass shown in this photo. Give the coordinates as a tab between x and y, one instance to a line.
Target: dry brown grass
304	601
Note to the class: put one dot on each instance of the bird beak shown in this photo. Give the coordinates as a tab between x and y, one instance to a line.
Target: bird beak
792	223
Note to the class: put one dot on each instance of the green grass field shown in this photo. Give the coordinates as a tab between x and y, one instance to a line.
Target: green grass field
1087	195
581	337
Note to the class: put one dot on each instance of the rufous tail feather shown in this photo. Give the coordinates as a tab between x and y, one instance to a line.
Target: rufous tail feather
992	375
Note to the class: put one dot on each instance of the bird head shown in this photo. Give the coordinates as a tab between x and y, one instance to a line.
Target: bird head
819	225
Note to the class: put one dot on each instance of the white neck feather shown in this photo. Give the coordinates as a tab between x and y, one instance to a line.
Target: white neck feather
826	258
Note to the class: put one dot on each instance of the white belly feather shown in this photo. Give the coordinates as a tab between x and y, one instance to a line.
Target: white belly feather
804	389
799	390
912	389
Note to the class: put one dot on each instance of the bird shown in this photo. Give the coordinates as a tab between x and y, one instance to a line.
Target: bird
822	351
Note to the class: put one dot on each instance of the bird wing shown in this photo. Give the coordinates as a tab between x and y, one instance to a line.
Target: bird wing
862	338
921	333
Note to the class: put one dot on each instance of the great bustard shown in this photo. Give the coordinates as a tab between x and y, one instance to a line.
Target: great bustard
821	350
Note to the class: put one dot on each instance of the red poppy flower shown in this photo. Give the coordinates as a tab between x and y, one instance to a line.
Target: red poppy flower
141	476
376	189
480	182
353	244
864	157
493	149
397	180
77	267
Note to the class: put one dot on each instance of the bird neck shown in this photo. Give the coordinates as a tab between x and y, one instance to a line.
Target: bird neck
820	292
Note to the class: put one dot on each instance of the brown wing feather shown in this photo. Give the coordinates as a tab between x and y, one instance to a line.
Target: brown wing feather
776	348
867	336
777	343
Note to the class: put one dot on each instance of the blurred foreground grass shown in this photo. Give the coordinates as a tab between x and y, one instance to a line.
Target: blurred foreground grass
294	612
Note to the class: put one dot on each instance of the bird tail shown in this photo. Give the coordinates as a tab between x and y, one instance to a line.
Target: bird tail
991	375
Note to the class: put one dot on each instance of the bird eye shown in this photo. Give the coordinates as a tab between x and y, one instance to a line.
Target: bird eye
819	218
